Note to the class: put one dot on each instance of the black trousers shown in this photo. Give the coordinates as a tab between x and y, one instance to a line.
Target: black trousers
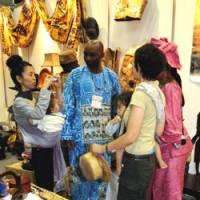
136	176
42	162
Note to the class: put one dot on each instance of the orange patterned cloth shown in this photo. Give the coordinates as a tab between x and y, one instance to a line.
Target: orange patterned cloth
19	34
127	10
64	25
127	72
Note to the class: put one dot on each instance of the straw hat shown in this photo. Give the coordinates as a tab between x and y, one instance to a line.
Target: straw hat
68	56
94	167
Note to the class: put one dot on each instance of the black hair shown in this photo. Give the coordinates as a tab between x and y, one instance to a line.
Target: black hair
149	61
177	78
91	23
124	98
16	66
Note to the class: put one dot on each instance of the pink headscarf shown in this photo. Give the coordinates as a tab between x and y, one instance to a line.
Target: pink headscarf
170	51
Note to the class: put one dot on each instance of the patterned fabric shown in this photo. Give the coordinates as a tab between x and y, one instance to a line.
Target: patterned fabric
64	25
168	182
127	10
20	34
81	85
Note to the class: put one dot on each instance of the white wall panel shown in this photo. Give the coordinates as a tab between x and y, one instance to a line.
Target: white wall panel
156	22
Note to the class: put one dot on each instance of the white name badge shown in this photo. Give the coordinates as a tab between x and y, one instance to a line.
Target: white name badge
96	101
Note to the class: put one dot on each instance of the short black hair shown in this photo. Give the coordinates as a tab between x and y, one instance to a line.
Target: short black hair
150	61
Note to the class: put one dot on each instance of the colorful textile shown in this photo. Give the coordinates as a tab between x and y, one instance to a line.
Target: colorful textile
168	182
81	85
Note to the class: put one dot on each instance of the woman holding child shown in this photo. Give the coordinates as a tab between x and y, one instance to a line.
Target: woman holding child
44	146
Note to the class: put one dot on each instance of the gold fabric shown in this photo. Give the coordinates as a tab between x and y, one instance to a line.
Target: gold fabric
127	10
196	32
19	34
76	33
127	71
64	26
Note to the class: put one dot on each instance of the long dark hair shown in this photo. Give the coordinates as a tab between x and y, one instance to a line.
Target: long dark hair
16	66
169	75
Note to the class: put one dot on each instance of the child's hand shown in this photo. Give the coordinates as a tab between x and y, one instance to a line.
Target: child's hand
116	120
162	164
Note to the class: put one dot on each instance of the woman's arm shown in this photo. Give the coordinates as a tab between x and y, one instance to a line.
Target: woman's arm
22	108
119	156
58	88
135	122
160	128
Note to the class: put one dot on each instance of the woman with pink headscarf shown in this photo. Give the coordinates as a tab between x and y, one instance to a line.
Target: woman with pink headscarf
175	142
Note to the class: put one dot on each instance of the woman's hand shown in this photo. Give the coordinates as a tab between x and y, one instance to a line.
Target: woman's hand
47	82
97	148
57	83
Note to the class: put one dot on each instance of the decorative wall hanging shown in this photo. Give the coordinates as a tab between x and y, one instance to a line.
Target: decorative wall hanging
127	74
20	34
128	10
111	59
64	25
195	58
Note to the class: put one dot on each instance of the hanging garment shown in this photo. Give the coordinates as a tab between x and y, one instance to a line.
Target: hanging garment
127	74
111	59
128	10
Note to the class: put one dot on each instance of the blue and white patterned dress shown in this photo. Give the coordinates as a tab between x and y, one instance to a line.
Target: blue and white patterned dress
79	88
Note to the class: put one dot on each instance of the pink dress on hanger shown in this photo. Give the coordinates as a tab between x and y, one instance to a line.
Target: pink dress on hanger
168	182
